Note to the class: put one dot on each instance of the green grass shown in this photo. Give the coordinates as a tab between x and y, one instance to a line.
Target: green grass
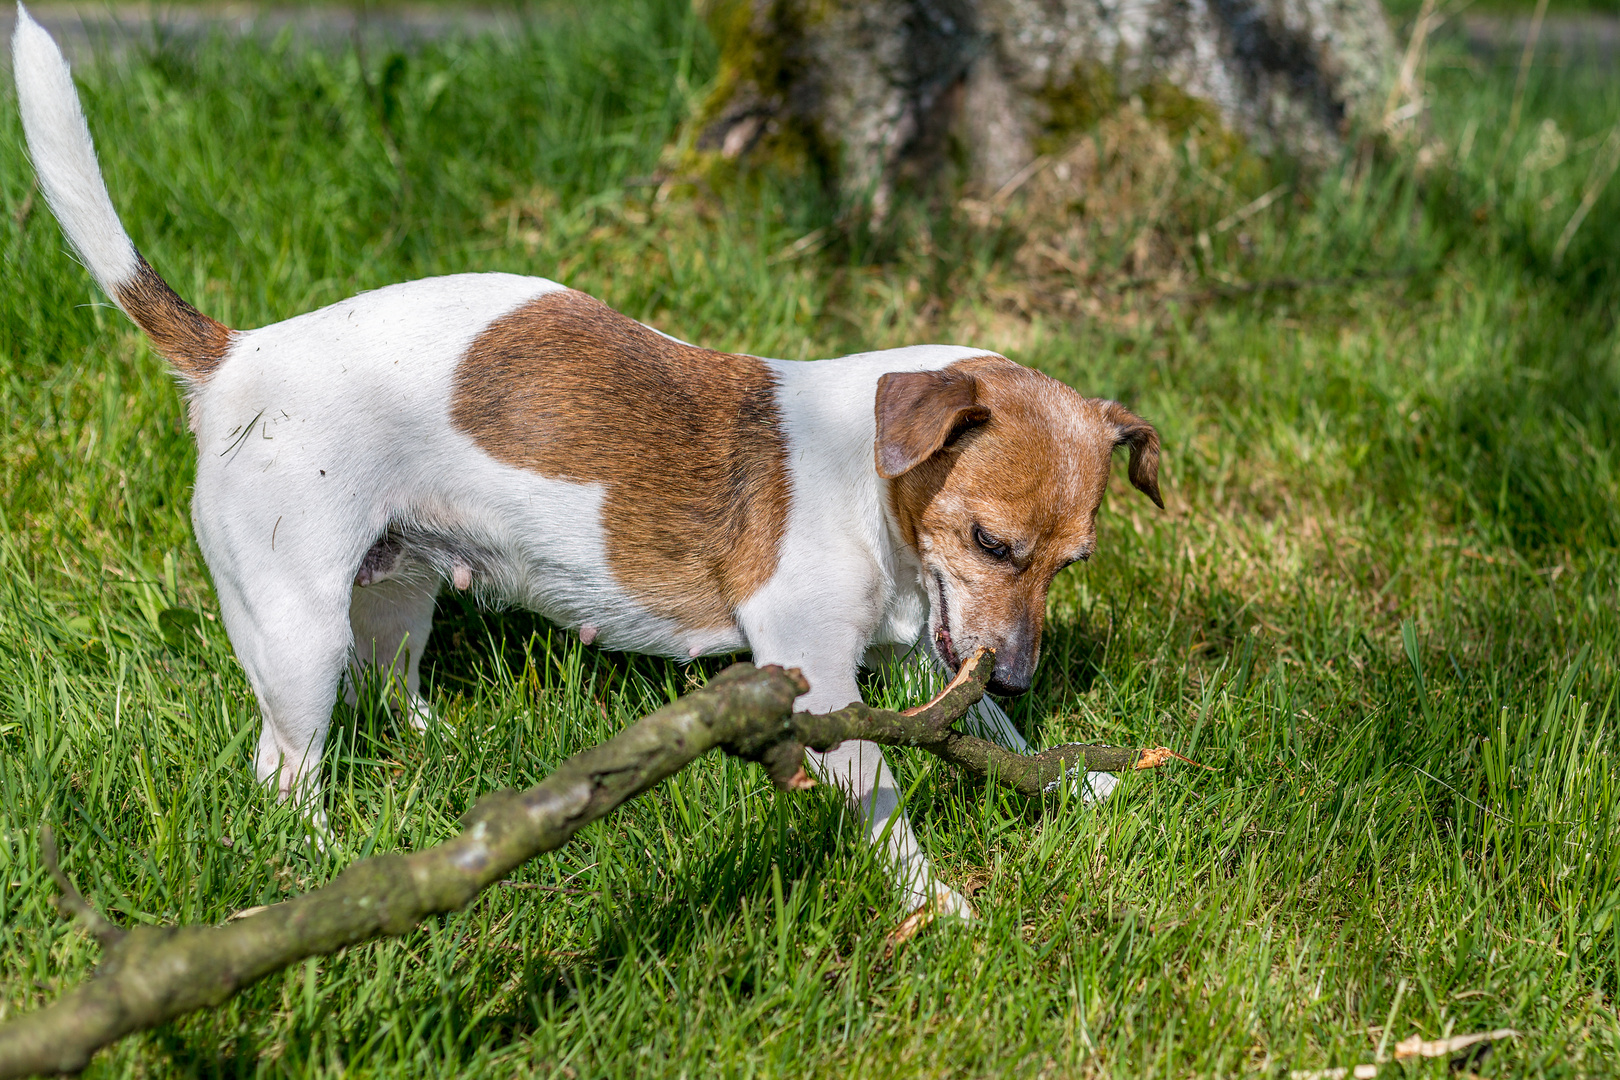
1382	603
1407	10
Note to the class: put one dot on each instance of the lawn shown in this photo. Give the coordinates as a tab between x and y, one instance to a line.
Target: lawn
1382	603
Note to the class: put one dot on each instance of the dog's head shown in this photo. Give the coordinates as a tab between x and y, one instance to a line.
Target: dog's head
995	475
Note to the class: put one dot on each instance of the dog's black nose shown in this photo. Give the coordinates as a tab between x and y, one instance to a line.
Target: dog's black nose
1009	687
1015	664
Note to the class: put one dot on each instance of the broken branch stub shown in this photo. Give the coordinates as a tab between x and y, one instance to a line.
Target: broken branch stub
930	727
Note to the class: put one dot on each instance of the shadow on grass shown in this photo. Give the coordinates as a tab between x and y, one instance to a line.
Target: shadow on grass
473	647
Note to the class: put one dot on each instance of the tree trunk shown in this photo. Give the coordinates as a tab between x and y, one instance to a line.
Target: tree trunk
878	91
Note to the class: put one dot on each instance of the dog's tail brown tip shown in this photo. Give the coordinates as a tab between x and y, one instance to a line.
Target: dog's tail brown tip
194	343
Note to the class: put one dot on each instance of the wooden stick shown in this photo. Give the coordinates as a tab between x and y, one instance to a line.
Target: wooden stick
151	975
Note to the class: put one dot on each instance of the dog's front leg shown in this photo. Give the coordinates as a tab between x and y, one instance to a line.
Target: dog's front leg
814	633
860	771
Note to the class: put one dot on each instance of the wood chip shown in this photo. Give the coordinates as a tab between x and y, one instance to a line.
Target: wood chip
918	919
799	781
1158	755
1417	1046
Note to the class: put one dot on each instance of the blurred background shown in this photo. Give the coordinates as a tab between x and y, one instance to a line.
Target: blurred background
1358	263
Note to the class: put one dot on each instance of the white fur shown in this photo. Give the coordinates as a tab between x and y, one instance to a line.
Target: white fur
65	158
320	435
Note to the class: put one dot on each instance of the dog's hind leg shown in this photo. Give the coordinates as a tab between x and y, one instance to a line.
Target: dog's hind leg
290	631
391	621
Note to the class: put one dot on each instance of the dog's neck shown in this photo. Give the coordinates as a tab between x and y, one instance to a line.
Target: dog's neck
905	613
828	406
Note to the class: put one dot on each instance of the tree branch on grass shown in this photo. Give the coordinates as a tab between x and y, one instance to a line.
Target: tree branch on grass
151	975
929	727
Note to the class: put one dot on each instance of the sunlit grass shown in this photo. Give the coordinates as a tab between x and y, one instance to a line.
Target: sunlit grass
1382	603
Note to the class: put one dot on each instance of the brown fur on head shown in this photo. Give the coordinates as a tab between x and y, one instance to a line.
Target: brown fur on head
995	475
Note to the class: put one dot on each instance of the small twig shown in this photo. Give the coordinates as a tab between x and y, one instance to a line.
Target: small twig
811	242
71	903
1237	217
963	674
1414	1047
1406	83
1019	179
1603	167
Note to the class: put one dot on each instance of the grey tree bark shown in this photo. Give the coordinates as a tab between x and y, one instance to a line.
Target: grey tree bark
879	89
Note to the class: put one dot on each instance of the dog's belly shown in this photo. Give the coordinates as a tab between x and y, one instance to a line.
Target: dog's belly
537	543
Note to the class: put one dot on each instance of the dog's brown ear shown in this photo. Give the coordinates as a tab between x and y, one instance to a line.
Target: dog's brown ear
1133	431
918	412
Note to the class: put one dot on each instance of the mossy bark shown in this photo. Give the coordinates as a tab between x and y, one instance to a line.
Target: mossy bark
876	90
153	974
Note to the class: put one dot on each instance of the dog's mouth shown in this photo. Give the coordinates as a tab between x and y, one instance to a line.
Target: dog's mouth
943	645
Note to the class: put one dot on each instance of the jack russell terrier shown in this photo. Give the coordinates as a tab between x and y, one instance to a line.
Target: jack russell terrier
514	436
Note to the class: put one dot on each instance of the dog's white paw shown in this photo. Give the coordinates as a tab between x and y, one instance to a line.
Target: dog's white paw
1089	788
418	712
317	829
945	903
1093	787
950	904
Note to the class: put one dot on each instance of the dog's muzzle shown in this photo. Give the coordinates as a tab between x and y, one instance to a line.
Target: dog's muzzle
1016	656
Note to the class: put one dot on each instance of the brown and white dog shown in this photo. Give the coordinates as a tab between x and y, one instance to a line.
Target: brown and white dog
511	435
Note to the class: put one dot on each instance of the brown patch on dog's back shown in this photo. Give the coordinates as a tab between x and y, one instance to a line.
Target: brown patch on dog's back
190	340
686	441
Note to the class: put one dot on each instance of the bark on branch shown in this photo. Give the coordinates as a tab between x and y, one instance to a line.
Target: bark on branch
154	974
929	727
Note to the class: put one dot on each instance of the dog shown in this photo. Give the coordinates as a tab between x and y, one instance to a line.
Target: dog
517	438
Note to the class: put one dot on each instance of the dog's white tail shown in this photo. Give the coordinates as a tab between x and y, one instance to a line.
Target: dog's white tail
65	159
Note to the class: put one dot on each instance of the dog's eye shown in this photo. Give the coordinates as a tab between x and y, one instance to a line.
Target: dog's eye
992	547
